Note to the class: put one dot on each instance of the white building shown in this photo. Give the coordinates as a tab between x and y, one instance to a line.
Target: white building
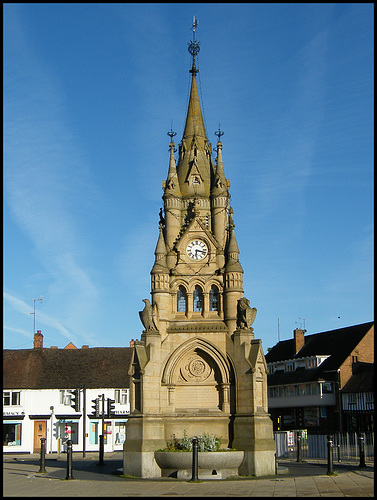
37	399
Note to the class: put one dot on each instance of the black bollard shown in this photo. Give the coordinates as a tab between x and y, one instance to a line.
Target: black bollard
362	451
42	467
69	460
195	460
330	470
299	449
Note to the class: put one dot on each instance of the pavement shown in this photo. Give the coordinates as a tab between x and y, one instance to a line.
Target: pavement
21	478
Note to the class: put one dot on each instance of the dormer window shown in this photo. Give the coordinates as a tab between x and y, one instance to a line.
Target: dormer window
289	366
311	363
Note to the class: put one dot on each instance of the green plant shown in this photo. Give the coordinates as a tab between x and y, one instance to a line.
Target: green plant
206	442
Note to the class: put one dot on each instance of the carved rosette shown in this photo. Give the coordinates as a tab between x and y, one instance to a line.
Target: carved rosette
195	369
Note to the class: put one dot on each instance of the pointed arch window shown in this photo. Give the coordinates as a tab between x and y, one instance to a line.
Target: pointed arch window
181	299
198	299
213	299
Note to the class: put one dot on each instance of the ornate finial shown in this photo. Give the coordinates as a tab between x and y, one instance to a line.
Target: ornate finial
171	134
219	133
193	47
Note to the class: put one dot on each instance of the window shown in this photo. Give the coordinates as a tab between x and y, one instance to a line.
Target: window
121	396
302	389
213	299
181	299
327	388
11	434
198	299
65	397
290	390
11	398
311	417
311	363
289	367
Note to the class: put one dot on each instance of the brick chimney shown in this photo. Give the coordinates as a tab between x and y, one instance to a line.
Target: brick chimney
38	340
299	339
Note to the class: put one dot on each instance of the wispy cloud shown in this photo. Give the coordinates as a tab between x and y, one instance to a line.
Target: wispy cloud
293	139
44	171
43	319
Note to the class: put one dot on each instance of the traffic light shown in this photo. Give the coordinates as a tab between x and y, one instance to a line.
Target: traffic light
110	407
95	407
75	399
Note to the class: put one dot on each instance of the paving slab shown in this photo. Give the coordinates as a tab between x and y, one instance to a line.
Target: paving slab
21	478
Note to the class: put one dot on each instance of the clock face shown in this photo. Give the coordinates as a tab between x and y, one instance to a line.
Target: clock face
197	250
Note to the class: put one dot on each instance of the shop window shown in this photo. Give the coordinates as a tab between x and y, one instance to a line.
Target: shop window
120	432
69	430
311	417
11	434
93	433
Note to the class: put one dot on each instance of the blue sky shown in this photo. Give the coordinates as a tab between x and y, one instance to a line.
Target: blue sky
90	92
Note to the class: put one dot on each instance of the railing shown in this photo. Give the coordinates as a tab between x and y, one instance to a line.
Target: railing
346	446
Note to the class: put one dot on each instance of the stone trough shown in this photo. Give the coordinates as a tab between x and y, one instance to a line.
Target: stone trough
211	464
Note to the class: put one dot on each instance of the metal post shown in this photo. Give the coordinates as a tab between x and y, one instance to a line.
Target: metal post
195	460
299	450
42	467
69	460
84	420
330	470
362	451
101	449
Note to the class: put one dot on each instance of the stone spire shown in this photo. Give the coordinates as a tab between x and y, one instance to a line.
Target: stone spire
195	168
194	126
171	186
232	251
160	254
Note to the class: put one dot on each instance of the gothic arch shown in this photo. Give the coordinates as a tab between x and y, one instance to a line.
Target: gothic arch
171	370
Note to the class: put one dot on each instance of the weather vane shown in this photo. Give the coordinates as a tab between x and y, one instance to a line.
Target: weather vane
171	134
193	47
219	133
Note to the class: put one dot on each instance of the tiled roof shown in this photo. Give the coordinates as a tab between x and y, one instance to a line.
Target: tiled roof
336	343
362	379
98	367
